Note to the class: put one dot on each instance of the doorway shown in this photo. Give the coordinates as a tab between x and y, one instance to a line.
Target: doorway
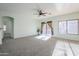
8	27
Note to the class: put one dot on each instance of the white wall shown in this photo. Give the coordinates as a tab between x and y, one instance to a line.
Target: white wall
24	24
56	19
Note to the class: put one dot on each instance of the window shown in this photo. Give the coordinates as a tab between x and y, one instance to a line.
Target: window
72	27
62	27
46	29
69	27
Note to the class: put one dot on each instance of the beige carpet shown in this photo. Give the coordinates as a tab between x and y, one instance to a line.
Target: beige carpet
27	46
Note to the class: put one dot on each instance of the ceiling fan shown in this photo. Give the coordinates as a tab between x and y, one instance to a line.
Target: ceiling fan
41	12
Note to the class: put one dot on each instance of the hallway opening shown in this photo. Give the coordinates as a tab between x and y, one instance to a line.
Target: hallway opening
8	27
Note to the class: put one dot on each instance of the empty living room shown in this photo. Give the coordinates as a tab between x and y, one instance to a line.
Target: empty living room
39	29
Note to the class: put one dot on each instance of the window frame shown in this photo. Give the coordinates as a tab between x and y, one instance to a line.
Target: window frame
67	26
59	27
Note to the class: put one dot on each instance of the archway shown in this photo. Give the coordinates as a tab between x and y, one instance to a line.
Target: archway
8	27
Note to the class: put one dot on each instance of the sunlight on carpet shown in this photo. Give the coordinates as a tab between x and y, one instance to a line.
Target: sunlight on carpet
43	37
64	48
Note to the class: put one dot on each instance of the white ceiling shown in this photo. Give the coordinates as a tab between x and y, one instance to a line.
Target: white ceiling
54	8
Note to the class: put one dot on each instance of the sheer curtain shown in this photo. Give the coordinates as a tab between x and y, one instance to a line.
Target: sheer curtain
48	30
44	32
